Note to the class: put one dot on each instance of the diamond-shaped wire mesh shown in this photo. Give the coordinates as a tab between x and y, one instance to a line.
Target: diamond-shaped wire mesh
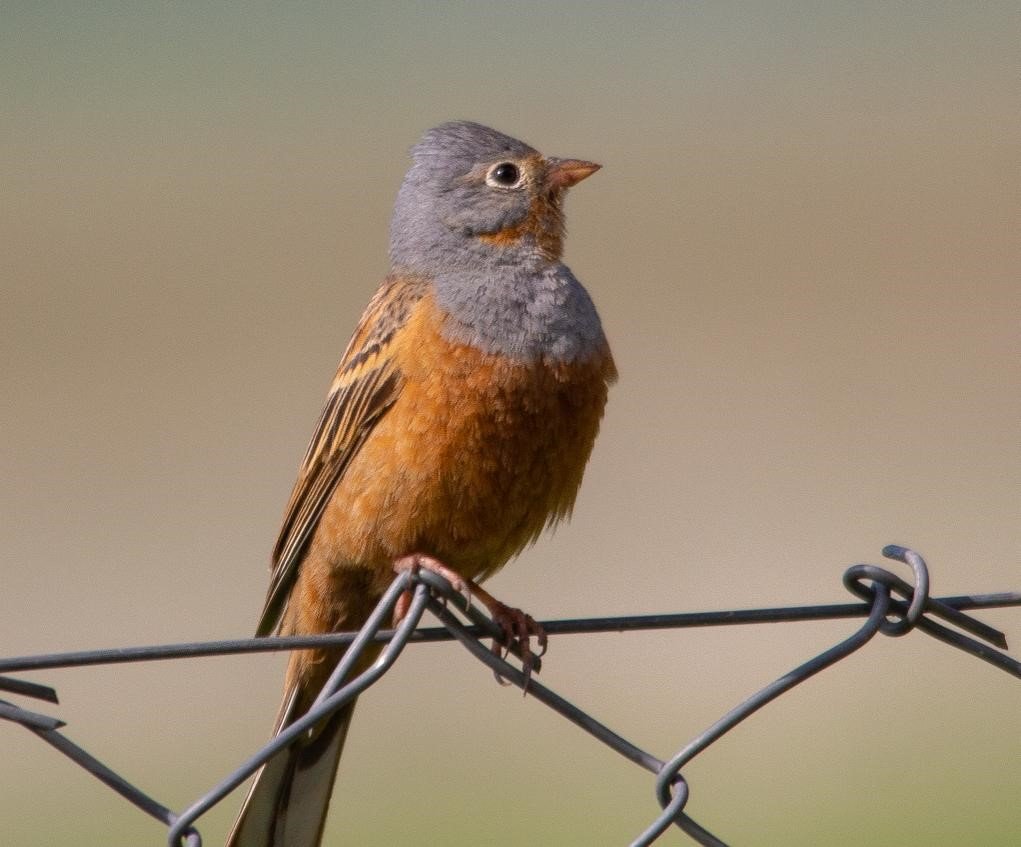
890	606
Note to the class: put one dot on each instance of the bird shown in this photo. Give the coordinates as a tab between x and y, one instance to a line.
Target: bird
457	428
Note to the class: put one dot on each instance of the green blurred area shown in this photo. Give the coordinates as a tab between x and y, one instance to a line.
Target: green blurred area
803	247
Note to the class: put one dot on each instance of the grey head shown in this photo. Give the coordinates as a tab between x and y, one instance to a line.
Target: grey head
480	213
476	195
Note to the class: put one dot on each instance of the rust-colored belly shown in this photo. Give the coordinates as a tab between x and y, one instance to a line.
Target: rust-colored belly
476	456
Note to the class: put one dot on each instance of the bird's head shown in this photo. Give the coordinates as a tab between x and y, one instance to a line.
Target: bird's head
474	195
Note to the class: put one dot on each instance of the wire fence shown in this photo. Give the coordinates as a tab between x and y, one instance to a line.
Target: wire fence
889	605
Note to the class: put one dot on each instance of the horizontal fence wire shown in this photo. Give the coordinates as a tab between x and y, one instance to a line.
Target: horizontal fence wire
890	606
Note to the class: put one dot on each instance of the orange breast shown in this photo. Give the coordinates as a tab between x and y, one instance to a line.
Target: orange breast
475	457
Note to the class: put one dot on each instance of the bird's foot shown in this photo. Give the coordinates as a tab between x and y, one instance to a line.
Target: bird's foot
518	628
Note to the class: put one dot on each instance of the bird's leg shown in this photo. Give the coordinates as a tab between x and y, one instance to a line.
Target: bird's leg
418	561
517	626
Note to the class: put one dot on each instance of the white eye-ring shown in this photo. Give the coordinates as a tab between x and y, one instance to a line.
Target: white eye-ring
504	175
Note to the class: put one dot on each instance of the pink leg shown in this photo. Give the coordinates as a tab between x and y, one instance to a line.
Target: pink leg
418	561
518	627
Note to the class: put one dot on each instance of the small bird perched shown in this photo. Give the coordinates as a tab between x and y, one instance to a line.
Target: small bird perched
457	427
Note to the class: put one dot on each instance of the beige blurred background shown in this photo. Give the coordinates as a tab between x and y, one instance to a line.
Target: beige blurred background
804	249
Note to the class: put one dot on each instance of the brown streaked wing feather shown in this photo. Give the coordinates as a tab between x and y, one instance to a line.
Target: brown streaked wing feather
366	386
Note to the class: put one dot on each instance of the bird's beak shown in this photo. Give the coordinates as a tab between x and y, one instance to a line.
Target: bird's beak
563	173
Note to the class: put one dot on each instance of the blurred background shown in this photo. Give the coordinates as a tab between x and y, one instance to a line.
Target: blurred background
804	249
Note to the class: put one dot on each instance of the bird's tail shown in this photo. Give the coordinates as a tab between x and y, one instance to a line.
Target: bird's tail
287	804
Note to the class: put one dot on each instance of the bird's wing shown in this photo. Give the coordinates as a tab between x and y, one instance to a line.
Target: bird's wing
367	384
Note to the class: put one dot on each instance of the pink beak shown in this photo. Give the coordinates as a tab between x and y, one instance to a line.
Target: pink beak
563	173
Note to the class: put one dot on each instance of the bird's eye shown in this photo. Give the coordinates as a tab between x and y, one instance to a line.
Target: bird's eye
503	175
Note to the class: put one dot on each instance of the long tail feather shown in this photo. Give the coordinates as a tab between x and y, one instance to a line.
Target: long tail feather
287	804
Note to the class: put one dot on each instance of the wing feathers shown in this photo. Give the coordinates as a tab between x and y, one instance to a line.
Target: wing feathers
367	384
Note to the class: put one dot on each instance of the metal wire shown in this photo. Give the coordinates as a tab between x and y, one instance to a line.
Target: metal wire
891	606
